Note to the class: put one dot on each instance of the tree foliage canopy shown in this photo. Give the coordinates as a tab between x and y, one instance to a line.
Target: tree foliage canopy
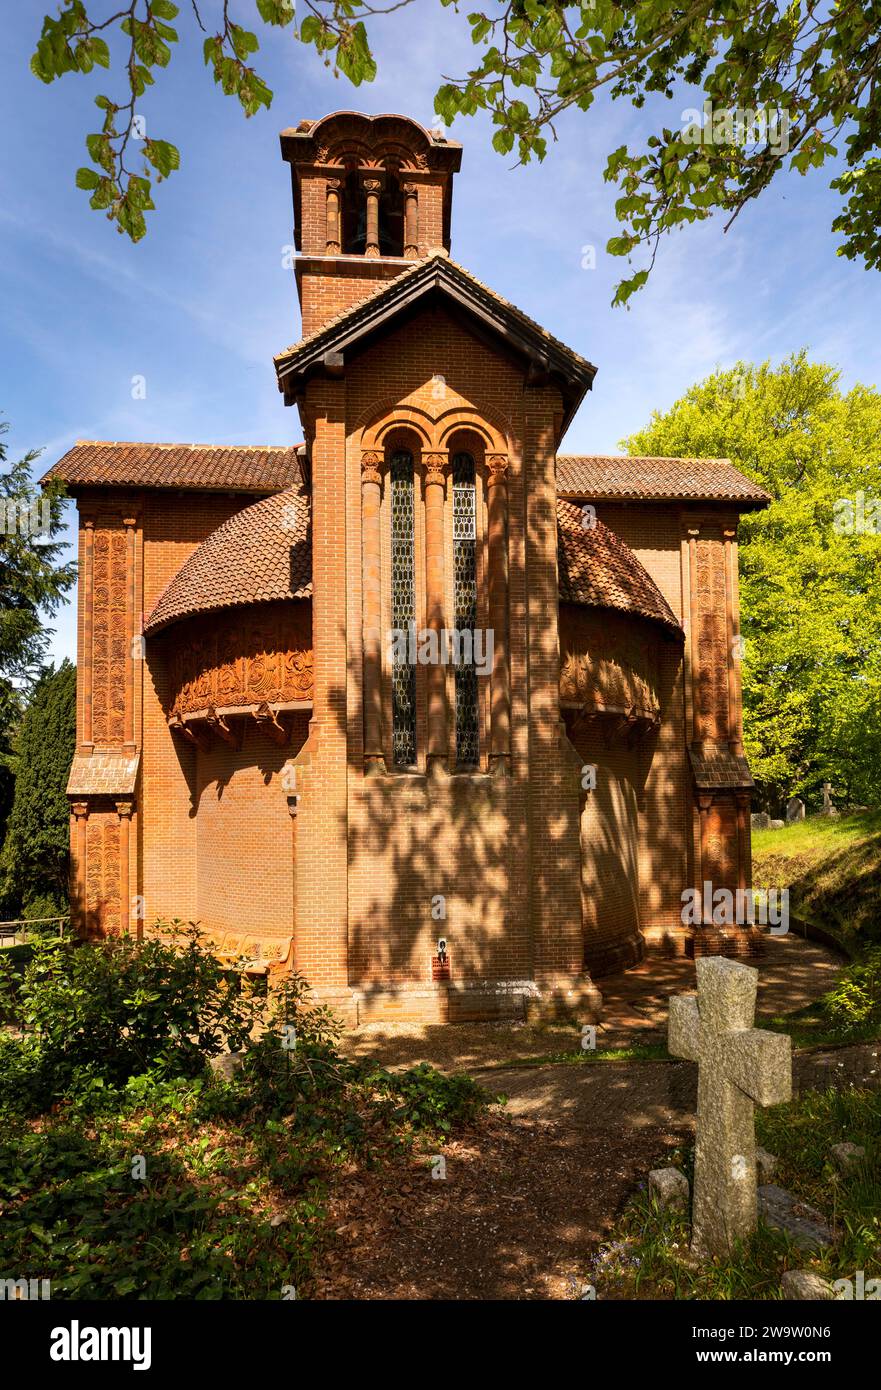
810	565
781	86
34	860
32	582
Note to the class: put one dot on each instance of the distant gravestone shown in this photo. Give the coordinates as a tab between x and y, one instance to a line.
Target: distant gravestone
760	821
739	1066
795	809
777	824
828	808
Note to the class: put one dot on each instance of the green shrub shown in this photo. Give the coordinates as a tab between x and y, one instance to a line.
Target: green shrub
855	1002
232	1199
107	1011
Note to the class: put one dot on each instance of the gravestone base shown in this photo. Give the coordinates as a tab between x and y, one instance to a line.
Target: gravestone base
802	1223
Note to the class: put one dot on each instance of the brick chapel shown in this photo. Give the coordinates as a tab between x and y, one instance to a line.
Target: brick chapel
256	749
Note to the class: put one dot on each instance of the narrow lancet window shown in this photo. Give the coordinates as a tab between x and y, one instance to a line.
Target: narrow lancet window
465	609
403	611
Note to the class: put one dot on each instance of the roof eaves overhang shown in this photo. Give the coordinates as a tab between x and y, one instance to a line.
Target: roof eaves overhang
633	499
546	359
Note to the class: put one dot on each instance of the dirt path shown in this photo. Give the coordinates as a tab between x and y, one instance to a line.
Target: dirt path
532	1190
521	1207
641	1095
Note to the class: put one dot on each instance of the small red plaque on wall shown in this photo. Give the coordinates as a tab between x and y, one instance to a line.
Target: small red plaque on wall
440	967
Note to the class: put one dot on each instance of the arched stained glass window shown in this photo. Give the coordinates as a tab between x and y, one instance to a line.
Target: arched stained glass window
465	608
403	609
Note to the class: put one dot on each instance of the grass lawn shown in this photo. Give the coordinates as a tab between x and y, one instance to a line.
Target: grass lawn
648	1257
833	871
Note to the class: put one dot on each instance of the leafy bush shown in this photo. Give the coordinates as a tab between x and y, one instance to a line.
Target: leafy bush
111	1010
231	1202
855	1002
426	1099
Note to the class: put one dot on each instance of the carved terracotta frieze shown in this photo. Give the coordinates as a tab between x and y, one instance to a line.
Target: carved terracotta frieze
249	657
711	676
609	670
109	654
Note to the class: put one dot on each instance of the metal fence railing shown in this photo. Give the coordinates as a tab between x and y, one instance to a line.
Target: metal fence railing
18	930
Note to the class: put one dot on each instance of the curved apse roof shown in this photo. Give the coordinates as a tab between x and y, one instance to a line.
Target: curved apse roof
600	570
260	555
263	554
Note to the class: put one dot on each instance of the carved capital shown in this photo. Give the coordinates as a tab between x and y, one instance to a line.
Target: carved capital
80	809
435	463
411	189
372	185
498	468
125	809
371	462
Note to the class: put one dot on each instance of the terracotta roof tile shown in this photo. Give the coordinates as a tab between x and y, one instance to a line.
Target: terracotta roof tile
261	554
597	568
252	468
605	477
718	768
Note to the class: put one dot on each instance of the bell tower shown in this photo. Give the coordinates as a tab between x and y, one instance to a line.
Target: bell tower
371	194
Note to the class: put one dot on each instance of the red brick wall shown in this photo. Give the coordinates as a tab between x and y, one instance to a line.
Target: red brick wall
245	836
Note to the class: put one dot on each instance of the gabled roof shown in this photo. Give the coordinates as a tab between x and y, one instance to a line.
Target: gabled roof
437	277
600	570
209	467
260	555
598	478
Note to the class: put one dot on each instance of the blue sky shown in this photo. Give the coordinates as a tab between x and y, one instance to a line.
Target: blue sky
200	306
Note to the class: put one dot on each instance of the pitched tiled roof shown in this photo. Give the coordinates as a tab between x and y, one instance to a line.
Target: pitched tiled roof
597	568
261	554
212	467
719	768
605	477
437	272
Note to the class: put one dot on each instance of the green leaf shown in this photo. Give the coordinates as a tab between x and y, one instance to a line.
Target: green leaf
87	178
163	156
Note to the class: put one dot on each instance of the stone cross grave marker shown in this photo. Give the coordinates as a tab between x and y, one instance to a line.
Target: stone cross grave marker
739	1066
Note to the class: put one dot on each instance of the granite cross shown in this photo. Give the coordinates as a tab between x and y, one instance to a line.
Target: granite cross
739	1066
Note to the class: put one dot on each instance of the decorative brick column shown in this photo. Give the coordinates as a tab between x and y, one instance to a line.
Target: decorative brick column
333	234
130	523
87	600
697	722
500	697
744	840
704	802
124	810
372	187
732	604
79	811
438	735
411	221
371	584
